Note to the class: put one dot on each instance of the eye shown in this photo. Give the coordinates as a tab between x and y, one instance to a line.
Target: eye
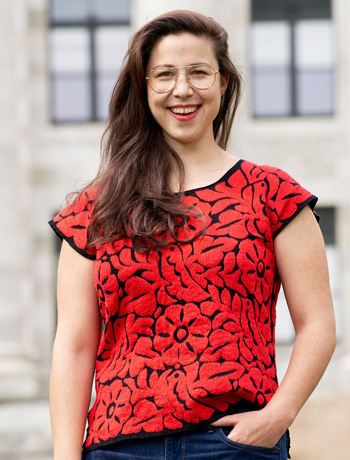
164	73
200	71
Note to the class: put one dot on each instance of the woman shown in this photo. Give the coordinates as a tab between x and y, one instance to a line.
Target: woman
179	249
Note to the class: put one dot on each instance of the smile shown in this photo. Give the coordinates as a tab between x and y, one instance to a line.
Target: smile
184	110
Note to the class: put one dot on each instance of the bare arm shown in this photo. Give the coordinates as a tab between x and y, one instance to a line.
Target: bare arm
74	354
304	274
302	266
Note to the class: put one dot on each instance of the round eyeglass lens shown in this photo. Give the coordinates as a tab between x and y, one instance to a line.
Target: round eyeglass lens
163	79
201	76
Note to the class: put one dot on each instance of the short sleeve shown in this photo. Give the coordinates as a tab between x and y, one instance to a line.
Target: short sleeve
285	200
72	224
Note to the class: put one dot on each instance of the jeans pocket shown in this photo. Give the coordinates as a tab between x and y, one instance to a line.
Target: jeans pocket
223	432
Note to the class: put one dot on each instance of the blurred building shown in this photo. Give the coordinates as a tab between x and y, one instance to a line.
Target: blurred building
58	62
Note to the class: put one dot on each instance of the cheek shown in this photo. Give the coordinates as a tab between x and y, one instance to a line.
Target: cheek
153	104
216	93
216	103
158	114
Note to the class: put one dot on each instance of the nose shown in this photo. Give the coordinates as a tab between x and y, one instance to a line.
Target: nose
182	86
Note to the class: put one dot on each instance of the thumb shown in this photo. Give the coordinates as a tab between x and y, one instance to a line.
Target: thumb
228	420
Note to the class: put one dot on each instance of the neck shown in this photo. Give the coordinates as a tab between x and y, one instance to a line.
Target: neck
203	163
198	153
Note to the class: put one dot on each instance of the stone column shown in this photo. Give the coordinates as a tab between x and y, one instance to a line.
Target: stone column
19	372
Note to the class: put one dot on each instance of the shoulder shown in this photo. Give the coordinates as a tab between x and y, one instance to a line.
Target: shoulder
72	222
82	202
278	183
79	207
281	196
256	171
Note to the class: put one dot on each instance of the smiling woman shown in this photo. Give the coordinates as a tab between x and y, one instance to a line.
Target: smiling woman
192	96
179	249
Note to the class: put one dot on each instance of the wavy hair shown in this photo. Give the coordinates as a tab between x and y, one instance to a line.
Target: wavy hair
134	195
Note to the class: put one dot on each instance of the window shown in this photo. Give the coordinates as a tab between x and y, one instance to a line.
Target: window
292	58
87	43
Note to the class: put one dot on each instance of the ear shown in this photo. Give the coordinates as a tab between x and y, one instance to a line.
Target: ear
224	79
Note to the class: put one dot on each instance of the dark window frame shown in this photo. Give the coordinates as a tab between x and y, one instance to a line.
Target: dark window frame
328	223
290	11
91	24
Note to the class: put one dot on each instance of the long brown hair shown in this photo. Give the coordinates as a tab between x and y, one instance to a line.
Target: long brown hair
134	196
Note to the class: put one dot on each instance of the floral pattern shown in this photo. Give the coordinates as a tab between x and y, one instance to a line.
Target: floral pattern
189	329
181	334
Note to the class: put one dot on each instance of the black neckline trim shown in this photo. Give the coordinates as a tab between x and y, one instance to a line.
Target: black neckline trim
223	178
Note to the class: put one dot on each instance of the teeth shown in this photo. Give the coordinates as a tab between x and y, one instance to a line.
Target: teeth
183	110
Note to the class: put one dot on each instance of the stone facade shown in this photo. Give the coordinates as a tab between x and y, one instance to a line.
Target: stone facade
41	162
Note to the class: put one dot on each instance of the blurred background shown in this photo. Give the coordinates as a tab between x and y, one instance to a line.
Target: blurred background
58	62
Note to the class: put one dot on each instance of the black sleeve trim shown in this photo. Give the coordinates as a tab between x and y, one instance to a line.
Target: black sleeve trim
70	241
311	202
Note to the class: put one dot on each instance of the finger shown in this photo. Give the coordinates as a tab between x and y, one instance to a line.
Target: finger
228	420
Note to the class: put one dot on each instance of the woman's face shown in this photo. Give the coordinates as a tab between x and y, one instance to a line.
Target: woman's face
201	105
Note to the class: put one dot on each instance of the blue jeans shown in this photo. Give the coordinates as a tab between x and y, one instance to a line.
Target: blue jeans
210	443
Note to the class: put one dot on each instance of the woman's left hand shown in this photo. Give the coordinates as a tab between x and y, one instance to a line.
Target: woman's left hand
256	428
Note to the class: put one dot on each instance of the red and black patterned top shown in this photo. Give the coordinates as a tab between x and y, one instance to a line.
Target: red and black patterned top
189	329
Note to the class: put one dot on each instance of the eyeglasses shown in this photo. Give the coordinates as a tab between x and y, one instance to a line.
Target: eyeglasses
200	76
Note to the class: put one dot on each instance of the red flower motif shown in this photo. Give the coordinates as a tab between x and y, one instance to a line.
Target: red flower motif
182	395
107	288
254	344
73	222
236	223
257	387
128	261
258	266
285	197
111	361
209	252
216	379
170	391
147	417
183	277
182	333
143	355
110	410
223	340
255	195
136	328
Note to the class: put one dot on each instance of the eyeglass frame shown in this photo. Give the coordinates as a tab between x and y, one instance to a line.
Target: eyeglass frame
182	73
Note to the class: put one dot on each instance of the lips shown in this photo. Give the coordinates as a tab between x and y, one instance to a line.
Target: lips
184	113
184	110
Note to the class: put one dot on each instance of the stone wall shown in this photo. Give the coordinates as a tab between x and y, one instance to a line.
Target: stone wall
41	162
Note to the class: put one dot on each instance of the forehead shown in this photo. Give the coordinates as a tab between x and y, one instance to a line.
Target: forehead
182	50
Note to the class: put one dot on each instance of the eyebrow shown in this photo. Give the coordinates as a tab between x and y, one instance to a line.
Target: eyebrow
161	66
